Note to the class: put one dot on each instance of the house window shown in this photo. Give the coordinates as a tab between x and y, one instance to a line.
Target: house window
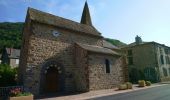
130	57
167	59
107	63
161	52
165	72
129	52
166	51
17	61
130	60
162	59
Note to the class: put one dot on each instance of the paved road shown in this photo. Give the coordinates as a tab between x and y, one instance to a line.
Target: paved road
156	93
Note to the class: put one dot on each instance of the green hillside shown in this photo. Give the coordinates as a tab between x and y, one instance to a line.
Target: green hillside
115	42
10	35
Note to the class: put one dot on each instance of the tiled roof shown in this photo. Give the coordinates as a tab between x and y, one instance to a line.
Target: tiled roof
109	45
134	44
13	53
97	49
50	19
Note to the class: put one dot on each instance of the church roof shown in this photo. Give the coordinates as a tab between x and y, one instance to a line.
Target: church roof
97	49
46	18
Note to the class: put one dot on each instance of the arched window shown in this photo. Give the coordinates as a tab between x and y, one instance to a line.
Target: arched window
107	63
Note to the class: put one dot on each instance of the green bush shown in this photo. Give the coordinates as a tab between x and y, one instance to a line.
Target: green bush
148	83
24	94
7	75
141	83
129	85
122	87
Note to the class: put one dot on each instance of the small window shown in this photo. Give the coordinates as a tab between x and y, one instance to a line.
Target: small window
167	59
165	72
17	61
162	59
107	63
130	60
129	52
166	51
161	52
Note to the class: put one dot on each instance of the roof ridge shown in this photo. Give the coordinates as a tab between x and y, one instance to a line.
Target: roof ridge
55	15
47	18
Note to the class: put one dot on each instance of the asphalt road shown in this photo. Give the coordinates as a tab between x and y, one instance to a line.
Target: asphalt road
155	93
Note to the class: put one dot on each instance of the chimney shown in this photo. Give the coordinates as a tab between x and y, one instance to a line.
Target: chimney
138	40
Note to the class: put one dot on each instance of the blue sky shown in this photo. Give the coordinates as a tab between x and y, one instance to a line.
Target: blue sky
118	19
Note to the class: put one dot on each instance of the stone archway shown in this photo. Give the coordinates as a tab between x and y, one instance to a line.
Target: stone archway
52	77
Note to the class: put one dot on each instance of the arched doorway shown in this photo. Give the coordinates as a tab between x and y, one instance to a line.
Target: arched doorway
52	80
52	77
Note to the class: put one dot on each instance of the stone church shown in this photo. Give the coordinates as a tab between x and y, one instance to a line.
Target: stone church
60	55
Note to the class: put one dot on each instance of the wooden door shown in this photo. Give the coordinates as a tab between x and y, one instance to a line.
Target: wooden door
52	84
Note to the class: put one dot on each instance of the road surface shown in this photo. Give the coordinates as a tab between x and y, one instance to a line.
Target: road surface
155	93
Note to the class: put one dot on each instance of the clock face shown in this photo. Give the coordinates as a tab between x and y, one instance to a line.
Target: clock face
55	33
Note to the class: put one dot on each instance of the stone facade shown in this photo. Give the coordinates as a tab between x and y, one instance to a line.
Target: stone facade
91	73
146	57
98	78
42	50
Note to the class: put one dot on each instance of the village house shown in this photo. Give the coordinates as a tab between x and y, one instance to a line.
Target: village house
148	60
60	55
10	56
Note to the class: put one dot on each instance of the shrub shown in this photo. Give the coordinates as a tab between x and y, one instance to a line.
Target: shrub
141	83
7	75
148	83
129	85
17	92
122	87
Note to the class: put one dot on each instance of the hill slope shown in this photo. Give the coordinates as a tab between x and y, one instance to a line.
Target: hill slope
116	42
10	34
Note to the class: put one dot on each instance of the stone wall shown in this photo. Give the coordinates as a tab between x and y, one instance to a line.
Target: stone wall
41	46
81	72
144	56
98	78
24	52
144	63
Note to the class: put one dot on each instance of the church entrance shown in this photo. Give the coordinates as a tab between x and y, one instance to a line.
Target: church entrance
52	80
